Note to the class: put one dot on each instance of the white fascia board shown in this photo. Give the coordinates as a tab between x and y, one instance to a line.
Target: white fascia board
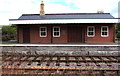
58	21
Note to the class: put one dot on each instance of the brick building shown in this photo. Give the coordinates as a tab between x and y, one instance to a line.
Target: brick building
65	27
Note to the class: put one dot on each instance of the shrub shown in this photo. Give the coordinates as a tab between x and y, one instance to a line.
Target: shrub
9	33
118	34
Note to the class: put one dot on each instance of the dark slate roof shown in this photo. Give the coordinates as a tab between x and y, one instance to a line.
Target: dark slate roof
66	16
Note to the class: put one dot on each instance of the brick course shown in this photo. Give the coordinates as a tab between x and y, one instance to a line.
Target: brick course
35	37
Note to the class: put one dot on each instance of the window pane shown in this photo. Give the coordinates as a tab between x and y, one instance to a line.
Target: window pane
43	33
90	33
56	33
90	28
104	33
104	29
42	29
56	29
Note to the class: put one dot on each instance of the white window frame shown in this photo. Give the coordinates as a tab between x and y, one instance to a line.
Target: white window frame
43	31
56	31
105	31
90	31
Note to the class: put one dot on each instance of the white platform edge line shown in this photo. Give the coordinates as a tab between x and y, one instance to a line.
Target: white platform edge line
51	45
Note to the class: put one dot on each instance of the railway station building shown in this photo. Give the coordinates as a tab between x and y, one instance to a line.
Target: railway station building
65	27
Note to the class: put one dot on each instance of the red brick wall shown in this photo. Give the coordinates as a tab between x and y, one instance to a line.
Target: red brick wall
97	37
63	36
35	37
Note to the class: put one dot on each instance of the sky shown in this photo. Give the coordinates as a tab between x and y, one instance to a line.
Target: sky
13	9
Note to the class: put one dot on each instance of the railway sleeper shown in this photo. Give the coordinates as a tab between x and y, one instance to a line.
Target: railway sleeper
48	62
67	61
39	63
58	61
32	61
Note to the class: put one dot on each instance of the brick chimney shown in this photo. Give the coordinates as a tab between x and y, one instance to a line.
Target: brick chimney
42	8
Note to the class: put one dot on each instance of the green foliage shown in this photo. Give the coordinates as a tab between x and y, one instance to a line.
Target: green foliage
9	32
0	34
118	34
118	30
0	30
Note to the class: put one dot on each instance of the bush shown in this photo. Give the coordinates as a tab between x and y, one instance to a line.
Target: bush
117	28
118	34
9	33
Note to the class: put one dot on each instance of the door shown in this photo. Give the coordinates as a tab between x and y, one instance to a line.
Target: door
75	34
26	35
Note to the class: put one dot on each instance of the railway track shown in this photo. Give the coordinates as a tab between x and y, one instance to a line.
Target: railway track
61	65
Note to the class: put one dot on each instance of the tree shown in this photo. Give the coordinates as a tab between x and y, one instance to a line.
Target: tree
118	34
118	30
9	32
0	33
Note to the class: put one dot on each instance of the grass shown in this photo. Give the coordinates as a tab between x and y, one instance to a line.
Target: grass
8	41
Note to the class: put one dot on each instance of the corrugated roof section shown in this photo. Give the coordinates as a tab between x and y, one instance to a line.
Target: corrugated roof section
66	16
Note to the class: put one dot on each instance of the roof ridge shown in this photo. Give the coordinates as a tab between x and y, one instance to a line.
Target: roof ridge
73	13
64	14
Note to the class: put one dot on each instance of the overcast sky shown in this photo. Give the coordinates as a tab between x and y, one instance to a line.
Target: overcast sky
13	9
